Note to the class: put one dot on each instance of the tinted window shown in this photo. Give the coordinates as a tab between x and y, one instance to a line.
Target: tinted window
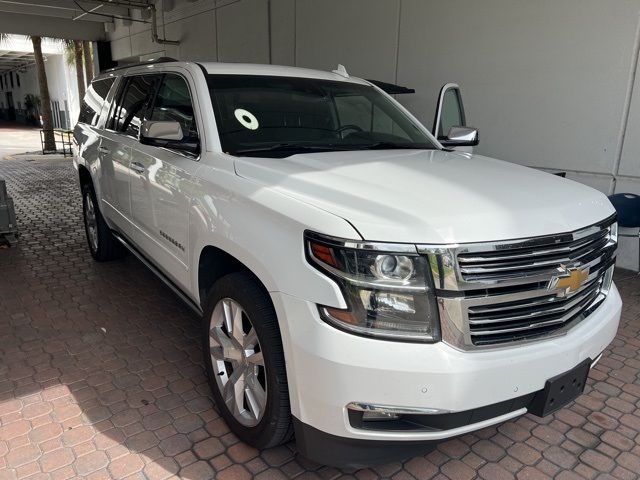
259	114
133	102
173	103
358	111
93	101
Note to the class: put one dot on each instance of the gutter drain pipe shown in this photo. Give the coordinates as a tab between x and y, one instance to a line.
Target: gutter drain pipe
154	29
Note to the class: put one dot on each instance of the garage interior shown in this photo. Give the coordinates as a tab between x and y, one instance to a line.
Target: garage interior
100	367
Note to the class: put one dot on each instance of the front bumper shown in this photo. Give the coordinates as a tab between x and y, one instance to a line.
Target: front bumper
328	369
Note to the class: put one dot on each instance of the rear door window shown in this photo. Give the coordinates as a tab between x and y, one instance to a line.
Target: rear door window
135	98
94	101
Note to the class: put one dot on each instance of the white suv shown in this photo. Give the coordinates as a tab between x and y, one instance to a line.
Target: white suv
362	285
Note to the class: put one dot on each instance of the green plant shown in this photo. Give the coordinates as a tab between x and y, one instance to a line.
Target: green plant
32	106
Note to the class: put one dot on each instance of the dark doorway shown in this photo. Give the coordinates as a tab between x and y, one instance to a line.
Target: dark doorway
11	109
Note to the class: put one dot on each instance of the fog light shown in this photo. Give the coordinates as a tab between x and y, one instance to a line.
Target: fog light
377	416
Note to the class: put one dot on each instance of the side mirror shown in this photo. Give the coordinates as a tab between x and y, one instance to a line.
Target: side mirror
155	130
167	134
461	137
450	118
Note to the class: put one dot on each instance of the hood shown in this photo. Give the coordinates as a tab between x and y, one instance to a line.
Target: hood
431	196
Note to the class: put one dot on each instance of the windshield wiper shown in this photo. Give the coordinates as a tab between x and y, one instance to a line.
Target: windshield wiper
289	147
293	148
393	146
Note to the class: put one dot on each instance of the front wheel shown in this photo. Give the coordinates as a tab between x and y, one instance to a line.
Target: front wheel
244	360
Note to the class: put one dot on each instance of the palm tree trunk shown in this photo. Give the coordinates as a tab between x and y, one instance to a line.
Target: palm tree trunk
88	61
45	99
77	45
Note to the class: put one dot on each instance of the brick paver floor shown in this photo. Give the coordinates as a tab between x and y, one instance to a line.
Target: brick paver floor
101	376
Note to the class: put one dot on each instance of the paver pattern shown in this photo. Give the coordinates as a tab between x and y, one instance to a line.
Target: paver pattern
101	376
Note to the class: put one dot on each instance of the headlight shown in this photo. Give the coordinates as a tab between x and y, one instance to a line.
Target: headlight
613	232
388	288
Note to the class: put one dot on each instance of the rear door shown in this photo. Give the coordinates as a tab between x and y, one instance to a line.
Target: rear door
162	185
119	136
88	130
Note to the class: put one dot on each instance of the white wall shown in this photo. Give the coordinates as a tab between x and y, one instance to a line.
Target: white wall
547	82
61	78
62	86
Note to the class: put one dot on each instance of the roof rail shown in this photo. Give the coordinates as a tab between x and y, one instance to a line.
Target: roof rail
151	61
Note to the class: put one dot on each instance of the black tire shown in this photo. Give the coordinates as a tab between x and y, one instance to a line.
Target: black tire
108	247
276	426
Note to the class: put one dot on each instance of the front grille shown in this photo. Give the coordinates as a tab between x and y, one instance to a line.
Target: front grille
503	321
501	292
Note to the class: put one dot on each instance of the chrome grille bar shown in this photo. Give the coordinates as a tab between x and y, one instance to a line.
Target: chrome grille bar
532	313
529	253
604	253
493	266
533	326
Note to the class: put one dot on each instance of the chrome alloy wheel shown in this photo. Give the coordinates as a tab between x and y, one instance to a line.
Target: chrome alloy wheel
238	363
91	222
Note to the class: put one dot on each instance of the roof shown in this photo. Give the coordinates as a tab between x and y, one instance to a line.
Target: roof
222	68
274	70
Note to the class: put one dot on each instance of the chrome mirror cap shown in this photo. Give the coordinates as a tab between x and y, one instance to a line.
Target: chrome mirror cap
459	136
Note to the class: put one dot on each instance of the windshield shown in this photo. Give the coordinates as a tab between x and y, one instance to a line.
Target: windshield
280	116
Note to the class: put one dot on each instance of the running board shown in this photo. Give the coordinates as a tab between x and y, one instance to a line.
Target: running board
190	303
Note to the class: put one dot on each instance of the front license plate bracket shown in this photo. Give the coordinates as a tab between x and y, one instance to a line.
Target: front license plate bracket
560	390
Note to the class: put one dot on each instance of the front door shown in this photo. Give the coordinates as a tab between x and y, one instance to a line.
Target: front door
162	182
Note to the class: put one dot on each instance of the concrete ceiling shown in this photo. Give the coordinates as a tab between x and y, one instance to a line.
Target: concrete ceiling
70	19
12	60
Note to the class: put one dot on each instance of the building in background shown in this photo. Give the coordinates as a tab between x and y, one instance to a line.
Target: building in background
550	85
19	91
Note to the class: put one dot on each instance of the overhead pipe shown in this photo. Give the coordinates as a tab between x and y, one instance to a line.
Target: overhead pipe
94	11
154	29
123	3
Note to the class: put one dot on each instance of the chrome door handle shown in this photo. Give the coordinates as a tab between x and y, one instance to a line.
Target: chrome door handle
103	150
137	167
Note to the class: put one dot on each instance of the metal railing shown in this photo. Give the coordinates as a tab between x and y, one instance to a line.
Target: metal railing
62	137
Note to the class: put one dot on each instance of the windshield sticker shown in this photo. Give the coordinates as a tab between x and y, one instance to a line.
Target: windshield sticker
246	118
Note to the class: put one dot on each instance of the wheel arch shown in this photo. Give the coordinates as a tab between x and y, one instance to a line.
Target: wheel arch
213	264
84	176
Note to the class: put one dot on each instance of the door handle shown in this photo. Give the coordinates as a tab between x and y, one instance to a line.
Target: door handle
103	150
137	167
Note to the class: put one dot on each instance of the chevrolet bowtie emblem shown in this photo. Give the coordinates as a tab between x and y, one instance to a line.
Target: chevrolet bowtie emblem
569	280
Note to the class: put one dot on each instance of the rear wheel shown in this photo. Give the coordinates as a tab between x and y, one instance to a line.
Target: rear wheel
245	361
103	245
